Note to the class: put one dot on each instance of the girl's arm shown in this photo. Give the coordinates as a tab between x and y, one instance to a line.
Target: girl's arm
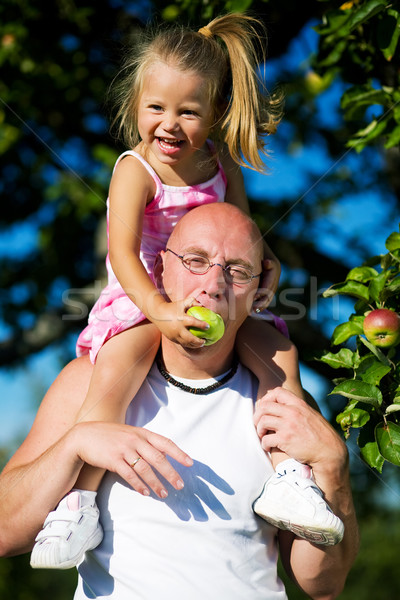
270	356
131	189
236	194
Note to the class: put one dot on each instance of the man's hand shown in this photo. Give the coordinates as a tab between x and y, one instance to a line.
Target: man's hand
117	448
285	421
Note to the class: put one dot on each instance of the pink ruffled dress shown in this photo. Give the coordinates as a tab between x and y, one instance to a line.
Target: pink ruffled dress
114	311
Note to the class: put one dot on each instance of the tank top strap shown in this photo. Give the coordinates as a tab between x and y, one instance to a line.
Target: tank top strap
152	172
146	165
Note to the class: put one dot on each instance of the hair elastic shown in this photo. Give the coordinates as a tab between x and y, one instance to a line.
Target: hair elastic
206	31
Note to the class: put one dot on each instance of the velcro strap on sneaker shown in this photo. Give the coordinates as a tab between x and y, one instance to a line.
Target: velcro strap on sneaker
63	515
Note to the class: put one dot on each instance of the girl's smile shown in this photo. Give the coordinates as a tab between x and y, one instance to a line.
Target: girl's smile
169	146
174	117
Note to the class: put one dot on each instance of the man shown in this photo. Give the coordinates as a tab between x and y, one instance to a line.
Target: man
176	505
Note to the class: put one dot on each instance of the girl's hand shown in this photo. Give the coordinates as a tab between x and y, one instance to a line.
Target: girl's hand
173	322
268	284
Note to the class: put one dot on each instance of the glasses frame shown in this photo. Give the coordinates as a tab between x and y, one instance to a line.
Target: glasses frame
211	264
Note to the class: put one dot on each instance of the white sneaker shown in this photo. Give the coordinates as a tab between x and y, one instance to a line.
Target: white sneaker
68	532
295	503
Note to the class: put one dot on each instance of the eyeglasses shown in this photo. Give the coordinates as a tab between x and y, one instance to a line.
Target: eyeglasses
199	265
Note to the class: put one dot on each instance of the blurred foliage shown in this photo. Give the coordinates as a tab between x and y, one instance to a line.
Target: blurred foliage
19	582
374	573
57	61
359	40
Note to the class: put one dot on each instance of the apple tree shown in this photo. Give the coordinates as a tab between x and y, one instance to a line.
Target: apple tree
372	364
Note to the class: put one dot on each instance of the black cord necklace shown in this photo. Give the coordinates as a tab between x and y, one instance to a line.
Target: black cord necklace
192	390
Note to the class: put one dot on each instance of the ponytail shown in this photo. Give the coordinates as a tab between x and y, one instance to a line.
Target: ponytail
251	113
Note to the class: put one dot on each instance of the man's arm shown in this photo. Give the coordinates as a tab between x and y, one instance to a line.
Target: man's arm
305	435
48	462
40	473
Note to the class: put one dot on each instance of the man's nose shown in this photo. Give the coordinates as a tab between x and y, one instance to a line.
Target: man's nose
214	282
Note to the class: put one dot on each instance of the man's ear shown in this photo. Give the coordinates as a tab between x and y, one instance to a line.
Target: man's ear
158	270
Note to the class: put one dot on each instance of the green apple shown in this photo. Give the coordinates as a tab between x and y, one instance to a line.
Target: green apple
382	327
216	329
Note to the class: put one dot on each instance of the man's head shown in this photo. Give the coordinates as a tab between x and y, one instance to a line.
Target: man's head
224	235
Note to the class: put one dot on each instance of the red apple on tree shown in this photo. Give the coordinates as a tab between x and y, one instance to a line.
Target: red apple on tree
382	327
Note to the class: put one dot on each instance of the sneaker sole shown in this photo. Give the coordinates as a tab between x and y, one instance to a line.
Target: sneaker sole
323	537
93	542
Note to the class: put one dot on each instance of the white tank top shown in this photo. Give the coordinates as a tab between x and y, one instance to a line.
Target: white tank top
203	542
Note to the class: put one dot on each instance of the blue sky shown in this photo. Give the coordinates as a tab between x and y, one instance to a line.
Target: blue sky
292	169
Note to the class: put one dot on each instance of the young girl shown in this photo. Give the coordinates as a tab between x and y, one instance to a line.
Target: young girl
179	89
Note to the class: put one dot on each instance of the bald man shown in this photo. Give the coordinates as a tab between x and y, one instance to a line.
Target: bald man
183	472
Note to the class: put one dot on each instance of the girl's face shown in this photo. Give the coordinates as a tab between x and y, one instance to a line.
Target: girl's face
174	115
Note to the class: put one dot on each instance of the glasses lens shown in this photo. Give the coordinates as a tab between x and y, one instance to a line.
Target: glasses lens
238	274
196	264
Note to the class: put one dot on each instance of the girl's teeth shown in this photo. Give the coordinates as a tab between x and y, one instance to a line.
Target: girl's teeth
169	142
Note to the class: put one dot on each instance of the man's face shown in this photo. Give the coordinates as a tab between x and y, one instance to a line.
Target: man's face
224	237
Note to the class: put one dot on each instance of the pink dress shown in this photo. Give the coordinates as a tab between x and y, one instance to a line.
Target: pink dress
114	311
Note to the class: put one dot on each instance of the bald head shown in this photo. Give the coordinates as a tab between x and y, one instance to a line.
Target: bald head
231	223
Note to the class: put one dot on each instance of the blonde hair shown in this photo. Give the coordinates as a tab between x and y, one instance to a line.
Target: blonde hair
226	52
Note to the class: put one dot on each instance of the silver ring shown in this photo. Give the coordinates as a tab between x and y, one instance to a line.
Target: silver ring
135	462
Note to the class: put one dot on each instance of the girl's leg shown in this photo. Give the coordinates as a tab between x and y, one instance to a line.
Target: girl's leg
290	499
272	358
121	367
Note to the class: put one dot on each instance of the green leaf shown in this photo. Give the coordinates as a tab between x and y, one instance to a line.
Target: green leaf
371	370
373	260
393	138
334	56
333	21
396	112
365	12
359	390
396	398
393	241
364	136
238	5
343	22
388	33
377	284
343	358
356	418
170	12
343	331
392	408
359	95
362	274
391	290
388	440
377	351
369	448
351	288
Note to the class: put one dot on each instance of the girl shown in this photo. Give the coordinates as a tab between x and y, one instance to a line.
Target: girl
178	90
